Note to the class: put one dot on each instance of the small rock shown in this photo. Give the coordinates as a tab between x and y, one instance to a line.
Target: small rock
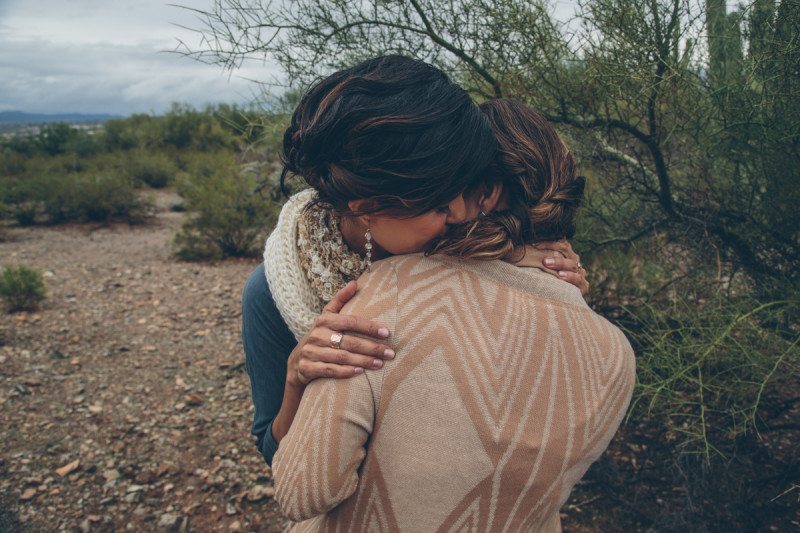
68	468
111	474
230	509
95	409
169	521
135	488
235	526
193	400
259	492
27	494
133	497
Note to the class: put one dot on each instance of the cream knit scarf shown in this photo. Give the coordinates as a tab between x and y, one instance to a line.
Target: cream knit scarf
306	262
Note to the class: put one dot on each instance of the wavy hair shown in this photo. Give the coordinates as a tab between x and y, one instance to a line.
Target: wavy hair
541	190
391	129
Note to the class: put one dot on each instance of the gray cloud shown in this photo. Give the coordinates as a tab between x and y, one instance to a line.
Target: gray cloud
108	57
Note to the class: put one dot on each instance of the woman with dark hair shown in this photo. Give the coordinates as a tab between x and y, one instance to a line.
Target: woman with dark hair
391	139
505	387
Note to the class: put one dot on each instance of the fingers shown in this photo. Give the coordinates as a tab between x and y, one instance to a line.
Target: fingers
563	247
311	370
366	347
561	263
354	324
575	278
321	337
338	357
341	298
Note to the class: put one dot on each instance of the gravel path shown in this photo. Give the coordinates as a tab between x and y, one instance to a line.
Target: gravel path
124	403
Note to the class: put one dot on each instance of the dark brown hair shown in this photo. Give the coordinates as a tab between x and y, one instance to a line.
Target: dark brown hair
391	129
540	187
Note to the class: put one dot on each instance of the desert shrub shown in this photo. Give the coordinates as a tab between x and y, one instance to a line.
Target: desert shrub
25	213
137	131
22	288
190	245
707	369
226	216
155	169
12	163
22	196
94	198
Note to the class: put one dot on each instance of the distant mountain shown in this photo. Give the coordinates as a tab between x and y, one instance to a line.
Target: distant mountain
19	117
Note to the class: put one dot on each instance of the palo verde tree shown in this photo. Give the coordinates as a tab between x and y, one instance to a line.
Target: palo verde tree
683	114
663	97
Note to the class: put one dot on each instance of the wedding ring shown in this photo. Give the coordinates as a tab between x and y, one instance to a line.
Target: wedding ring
336	340
580	266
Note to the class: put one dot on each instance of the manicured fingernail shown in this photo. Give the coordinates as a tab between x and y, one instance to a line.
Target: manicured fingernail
377	363
549	261
389	353
383	332
563	273
358	370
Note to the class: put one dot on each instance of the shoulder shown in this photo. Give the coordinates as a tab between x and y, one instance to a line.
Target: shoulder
412	268
620	359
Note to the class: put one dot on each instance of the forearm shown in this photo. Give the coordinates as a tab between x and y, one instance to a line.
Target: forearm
292	394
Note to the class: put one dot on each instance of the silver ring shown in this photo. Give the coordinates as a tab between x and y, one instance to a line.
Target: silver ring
336	340
580	266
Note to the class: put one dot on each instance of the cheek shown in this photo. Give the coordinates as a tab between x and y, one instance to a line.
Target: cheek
411	235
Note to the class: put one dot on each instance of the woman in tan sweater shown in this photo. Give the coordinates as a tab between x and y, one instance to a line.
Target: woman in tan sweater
505	387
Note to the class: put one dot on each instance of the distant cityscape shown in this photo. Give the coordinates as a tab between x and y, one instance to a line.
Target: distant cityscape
15	123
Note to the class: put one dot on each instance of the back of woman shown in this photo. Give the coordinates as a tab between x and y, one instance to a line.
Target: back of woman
505	387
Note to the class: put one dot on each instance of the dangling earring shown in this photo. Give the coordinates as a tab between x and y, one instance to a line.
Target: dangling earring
368	248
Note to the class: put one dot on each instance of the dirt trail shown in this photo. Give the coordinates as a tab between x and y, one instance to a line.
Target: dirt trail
132	367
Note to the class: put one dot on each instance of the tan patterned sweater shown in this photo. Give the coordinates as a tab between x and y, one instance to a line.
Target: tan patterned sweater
505	388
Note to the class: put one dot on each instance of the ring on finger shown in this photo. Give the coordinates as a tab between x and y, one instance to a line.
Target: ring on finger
336	340
580	266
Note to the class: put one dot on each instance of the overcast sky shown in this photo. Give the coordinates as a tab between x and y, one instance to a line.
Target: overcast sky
108	56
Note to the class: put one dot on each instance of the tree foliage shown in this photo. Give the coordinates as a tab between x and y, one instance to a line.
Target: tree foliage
662	98
684	116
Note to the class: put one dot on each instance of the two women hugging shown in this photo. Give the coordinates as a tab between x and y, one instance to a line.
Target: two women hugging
461	381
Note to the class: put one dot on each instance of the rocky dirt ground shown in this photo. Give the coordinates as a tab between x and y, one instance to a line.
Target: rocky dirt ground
124	404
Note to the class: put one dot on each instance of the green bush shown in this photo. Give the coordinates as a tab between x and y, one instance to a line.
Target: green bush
226	217
25	213
708	370
155	169
22	288
94	198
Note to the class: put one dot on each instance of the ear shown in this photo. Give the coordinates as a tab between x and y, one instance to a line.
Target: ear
358	205
489	200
